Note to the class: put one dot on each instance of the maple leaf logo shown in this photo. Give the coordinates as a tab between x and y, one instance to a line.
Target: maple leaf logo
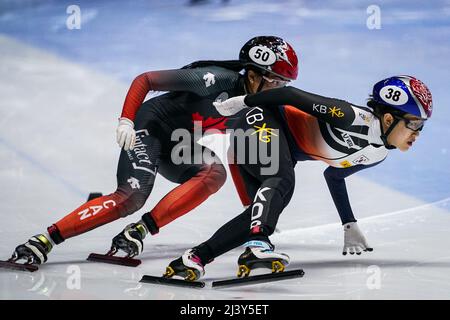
210	122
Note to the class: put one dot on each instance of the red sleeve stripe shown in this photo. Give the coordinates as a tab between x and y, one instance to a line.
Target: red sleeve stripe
136	95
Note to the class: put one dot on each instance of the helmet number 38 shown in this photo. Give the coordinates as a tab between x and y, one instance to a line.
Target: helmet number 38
394	95
262	55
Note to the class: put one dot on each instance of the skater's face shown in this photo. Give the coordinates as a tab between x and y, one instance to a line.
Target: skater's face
270	81
405	132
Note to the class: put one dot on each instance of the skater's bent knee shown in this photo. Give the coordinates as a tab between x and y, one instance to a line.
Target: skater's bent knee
133	203
282	184
214	177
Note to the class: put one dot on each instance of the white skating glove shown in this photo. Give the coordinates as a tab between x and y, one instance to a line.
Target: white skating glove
230	106
354	240
126	136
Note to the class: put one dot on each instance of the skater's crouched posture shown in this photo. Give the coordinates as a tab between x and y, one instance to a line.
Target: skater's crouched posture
145	134
347	137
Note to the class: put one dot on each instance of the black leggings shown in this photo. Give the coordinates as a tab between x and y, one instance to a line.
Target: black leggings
270	190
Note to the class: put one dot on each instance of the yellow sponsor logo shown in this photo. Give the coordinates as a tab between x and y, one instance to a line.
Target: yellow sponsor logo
345	164
335	111
264	133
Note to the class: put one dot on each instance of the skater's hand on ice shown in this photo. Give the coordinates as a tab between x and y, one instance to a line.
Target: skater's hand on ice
126	136
230	106
354	240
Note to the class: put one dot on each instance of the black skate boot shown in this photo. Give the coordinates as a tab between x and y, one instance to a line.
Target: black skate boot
34	251
261	254
189	266
130	240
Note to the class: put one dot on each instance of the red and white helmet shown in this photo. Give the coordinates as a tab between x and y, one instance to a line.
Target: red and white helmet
270	54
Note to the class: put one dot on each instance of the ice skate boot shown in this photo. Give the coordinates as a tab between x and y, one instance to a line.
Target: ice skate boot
189	266
260	254
130	240
34	252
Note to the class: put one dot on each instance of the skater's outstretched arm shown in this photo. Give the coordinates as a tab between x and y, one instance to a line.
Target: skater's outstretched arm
201	81
338	113
354	240
335	178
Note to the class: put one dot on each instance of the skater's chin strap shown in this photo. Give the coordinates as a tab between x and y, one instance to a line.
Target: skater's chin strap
385	135
261	84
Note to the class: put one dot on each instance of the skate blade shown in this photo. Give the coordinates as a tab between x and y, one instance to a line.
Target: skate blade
172	282
121	261
263	278
18	266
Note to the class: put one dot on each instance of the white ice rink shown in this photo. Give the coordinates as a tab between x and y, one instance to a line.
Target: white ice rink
57	144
